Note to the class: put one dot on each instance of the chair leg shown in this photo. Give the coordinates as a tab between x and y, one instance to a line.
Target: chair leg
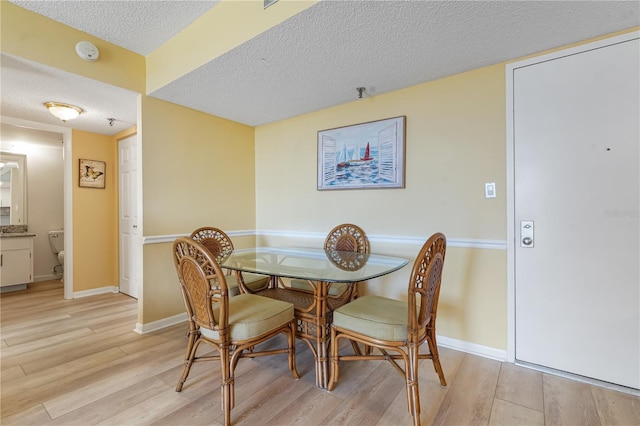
433	348
192	347
334	349
226	384
413	391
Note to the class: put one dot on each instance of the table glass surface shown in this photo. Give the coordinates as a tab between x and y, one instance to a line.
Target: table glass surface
313	264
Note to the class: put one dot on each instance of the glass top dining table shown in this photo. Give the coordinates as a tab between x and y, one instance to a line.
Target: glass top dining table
320	268
313	264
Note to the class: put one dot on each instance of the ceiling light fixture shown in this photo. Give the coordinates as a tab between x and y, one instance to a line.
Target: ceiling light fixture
63	111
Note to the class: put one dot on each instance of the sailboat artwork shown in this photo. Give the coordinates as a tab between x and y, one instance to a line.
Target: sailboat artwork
367	155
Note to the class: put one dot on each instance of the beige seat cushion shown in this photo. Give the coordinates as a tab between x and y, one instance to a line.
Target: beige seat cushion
374	316
253	281
335	289
251	315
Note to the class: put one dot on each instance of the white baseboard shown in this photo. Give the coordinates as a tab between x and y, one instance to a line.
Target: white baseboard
472	348
160	324
94	291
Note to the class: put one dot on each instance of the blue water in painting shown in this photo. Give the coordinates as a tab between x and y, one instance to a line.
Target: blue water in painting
354	173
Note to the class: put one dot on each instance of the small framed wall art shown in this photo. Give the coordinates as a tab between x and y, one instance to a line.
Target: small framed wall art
92	173
360	156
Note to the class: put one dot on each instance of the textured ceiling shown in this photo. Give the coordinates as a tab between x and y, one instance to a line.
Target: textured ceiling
312	61
140	26
319	57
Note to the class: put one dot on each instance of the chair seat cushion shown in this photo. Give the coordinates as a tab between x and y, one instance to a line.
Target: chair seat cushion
251	315
253	281
335	289
374	316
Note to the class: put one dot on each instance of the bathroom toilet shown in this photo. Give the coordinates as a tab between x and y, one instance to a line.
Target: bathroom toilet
56	238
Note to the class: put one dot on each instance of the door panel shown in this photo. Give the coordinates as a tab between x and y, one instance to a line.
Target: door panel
577	174
128	215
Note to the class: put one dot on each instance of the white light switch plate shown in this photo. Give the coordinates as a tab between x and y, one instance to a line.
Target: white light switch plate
490	190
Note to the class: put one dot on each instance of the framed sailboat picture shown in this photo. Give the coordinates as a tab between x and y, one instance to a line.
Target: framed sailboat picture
361	156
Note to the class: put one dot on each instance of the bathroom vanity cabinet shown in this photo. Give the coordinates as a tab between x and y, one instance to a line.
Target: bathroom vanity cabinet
16	260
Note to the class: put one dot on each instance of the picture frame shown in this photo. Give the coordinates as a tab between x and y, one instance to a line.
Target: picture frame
92	173
363	156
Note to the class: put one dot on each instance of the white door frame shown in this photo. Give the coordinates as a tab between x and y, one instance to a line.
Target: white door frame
511	224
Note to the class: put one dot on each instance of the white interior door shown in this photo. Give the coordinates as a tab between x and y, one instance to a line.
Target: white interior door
576	132
129	234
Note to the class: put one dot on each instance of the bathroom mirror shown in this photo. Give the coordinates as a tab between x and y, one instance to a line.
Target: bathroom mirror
13	189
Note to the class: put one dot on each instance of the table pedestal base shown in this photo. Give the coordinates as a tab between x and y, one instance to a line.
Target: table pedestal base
314	312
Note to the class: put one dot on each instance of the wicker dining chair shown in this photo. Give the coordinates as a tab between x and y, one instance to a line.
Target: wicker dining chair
221	246
397	327
231	325
347	238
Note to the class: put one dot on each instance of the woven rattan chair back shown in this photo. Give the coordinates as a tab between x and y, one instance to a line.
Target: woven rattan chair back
347	237
424	286
215	240
202	283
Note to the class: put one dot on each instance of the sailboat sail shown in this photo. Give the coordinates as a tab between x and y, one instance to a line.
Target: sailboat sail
343	160
366	158
367	154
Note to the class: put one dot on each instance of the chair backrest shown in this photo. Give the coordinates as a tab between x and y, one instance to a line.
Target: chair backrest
203	285
215	240
347	237
424	285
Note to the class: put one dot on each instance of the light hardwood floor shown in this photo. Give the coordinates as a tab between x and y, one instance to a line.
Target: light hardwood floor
78	362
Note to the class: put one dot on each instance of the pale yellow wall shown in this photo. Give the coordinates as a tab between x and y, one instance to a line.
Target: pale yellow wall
229	24
125	133
473	299
95	215
455	142
197	170
161	291
39	39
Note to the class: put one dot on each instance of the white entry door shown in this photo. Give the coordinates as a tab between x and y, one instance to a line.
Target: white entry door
576	127
129	233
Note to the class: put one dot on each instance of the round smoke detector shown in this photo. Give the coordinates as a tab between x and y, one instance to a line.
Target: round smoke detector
87	51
